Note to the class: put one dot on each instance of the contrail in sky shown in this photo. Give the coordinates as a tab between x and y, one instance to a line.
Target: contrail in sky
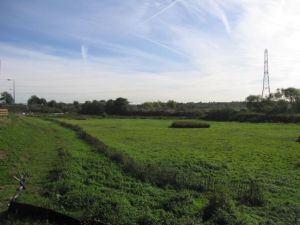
163	46
160	12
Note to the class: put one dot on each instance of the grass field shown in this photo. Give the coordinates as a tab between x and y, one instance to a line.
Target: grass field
265	152
69	175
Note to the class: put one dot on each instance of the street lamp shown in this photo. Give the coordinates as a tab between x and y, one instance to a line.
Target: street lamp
14	89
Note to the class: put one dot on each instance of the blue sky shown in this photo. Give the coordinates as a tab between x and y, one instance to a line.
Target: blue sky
147	50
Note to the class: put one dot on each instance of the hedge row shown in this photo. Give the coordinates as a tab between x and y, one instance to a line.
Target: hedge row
189	124
232	115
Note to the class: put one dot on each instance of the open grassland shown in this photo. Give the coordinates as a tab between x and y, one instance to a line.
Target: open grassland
66	174
77	178
225	152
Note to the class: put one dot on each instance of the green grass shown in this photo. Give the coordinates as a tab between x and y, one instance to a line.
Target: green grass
26	146
70	176
226	151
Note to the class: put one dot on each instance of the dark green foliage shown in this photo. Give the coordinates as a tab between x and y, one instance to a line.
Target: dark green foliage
253	196
93	108
222	210
257	117
113	211
189	124
179	204
298	139
112	107
282	101
34	100
6	98
221	115
121	106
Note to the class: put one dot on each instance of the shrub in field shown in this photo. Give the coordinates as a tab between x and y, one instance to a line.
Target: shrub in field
298	139
189	124
179	204
147	218
78	199
110	210
253	196
222	210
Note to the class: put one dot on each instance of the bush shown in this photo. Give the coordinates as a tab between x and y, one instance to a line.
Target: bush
253	196
111	210
222	210
179	204
189	124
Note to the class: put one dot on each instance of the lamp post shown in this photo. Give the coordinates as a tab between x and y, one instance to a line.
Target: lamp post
14	89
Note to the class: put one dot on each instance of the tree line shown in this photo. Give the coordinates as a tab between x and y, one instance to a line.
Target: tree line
282	101
283	104
280	106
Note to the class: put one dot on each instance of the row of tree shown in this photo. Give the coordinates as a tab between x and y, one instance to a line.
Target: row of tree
120	106
282	101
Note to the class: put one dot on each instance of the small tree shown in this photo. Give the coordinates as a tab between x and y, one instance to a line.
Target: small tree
171	104
52	103
6	98
109	107
254	102
121	106
34	100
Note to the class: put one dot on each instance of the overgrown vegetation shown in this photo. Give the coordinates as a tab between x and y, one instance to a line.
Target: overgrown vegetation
221	209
